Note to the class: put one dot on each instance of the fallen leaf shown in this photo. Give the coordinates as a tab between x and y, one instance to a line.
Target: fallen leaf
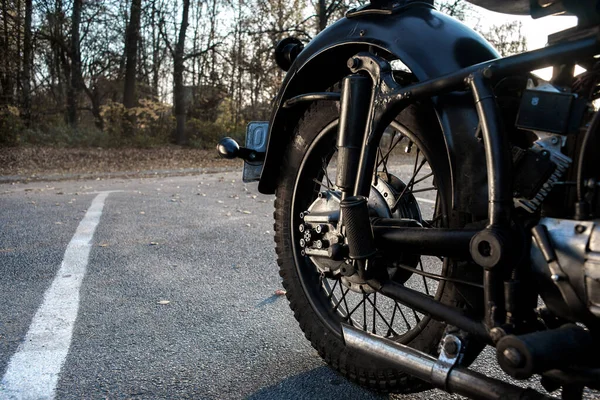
254	196
58	223
162	302
142	212
174	200
153	243
103	245
220	201
280	292
247	212
247	224
228	214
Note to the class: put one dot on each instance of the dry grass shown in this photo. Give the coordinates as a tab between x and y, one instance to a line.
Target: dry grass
39	162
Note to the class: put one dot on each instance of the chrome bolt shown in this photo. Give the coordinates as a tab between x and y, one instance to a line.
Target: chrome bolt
496	334
302	243
580	228
354	63
301	228
556	277
450	347
554	140
319	244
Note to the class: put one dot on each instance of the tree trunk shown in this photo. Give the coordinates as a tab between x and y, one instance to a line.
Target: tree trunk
178	69
322	16
75	75
131	52
27	64
6	81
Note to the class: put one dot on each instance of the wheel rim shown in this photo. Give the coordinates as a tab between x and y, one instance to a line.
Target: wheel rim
336	304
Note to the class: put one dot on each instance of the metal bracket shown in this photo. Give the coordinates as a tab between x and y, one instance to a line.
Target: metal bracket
449	356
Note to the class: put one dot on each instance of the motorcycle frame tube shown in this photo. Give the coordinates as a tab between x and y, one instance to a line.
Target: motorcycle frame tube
452	243
438	311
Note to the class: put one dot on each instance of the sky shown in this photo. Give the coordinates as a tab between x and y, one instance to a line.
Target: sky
535	30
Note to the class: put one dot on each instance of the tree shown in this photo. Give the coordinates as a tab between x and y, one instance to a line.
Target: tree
458	9
27	63
178	70
131	52
507	38
75	68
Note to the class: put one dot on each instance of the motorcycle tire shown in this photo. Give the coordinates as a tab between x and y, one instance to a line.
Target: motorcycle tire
314	138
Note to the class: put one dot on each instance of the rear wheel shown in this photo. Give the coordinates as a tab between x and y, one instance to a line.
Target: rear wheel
412	181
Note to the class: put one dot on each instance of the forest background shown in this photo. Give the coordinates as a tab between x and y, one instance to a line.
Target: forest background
156	73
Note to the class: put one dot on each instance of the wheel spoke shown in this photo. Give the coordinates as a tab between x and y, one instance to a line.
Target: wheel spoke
390	329
340	300
364	312
391	148
374	305
324	168
356	307
424	190
376	311
423	276
403	316
346	305
332	289
410	182
315	180
422	178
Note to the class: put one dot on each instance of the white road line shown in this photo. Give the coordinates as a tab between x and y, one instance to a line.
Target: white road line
34	369
425	200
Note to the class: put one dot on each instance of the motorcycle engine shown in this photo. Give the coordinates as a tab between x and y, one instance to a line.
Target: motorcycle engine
565	252
577	248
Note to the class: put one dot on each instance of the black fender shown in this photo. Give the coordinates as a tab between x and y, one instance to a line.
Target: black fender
430	44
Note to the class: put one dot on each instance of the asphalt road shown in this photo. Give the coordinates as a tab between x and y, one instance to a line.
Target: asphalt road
178	299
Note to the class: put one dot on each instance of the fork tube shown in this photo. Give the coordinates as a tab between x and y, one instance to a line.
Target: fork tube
355	104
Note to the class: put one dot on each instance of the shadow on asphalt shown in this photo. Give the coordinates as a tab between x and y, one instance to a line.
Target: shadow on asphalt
320	383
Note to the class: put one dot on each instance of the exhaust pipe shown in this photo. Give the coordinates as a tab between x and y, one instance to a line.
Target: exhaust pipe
458	380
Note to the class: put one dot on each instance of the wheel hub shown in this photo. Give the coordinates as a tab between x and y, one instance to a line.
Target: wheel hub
322	240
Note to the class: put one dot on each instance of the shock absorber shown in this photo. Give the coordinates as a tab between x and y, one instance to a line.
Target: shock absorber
355	103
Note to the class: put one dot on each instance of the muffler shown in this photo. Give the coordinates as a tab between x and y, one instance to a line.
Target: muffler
455	379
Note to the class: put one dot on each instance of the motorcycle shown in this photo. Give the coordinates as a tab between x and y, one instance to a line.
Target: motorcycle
433	198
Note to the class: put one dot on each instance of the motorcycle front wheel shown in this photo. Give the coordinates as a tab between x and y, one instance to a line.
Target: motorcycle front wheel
414	166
